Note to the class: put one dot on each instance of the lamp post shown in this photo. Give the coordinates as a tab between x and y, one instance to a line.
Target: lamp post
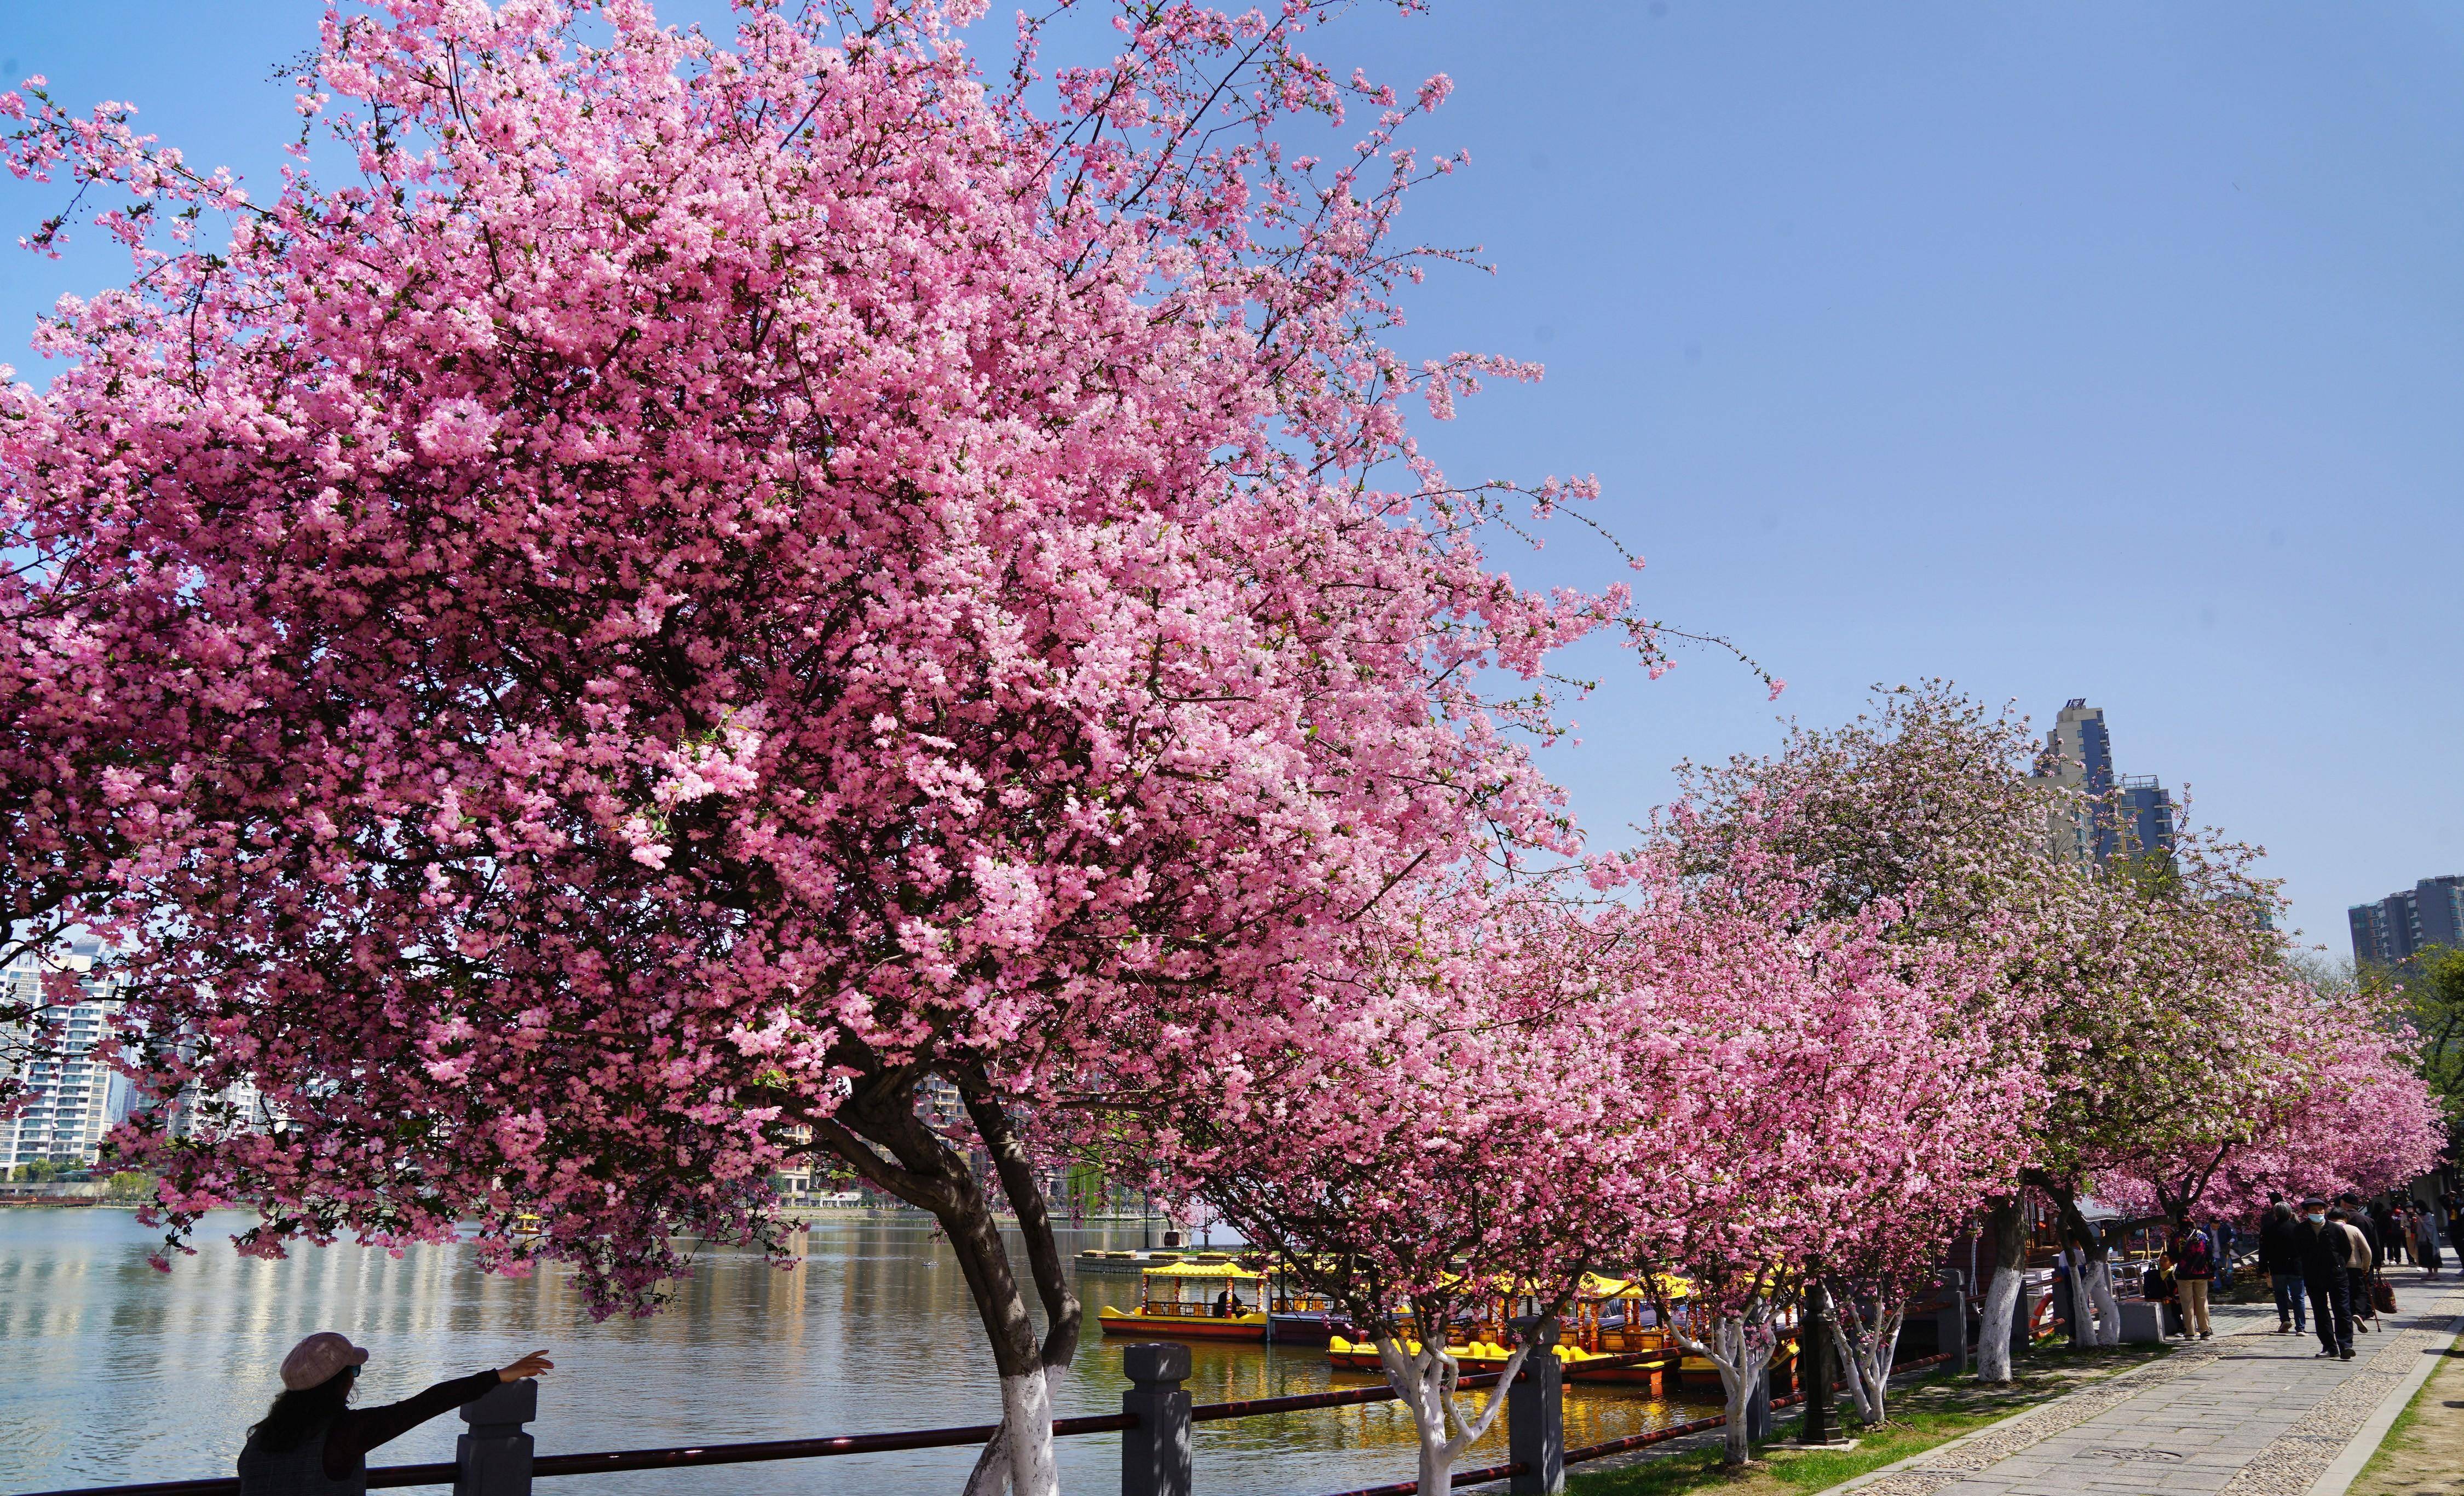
1813	1363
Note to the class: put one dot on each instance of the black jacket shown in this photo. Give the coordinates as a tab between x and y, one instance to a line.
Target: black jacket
2321	1249
2279	1249
355	1431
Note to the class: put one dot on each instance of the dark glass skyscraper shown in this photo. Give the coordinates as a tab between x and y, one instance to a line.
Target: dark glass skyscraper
2393	930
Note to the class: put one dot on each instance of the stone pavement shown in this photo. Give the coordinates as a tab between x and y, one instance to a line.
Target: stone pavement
2250	1413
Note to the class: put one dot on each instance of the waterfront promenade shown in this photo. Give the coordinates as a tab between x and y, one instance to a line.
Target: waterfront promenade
2250	1413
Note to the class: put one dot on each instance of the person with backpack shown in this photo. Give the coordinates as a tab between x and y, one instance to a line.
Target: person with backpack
2195	1267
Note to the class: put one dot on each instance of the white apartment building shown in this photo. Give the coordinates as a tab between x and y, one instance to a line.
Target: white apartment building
73	1098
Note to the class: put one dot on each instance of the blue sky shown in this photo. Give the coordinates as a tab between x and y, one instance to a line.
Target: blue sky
2093	350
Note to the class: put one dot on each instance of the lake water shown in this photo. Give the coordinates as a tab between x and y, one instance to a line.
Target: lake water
113	1373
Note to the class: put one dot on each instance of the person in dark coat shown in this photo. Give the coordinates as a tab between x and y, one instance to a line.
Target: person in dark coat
2279	1257
2321	1243
311	1442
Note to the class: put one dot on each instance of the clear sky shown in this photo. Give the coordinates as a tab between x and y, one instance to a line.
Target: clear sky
2095	350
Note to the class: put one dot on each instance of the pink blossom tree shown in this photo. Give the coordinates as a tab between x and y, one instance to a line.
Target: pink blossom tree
705	585
1918	825
1448	1126
1850	1096
2162	1036
2350	1111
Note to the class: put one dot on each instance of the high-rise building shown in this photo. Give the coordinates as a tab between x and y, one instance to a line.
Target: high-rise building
2393	930
72	1097
2112	815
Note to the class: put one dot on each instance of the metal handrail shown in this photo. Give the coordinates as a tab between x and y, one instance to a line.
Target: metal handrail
608	1461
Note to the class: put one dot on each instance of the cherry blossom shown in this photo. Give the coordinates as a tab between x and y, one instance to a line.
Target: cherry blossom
663	594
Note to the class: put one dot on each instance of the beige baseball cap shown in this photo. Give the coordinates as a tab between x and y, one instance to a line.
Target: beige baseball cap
319	1359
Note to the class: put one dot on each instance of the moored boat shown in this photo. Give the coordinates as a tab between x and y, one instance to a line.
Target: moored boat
1199	1301
1612	1333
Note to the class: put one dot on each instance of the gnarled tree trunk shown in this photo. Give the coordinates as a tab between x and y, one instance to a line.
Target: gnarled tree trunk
879	1117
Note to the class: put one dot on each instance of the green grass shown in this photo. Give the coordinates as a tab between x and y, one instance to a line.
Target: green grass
1927	1412
2390	1445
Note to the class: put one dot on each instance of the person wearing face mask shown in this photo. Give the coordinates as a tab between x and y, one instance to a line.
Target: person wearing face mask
2324	1253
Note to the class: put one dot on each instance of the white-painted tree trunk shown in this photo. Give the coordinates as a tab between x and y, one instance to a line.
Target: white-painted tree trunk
1741	1347
2108	1309
1993	1337
1426	1385
1870	1344
1021	1464
1026	1419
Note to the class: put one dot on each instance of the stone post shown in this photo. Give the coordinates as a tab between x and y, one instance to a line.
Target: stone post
1951	1321
1535	1411
495	1458
1155	1455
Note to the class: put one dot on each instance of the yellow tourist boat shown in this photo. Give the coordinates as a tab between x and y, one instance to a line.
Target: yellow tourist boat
1196	1301
1611	1320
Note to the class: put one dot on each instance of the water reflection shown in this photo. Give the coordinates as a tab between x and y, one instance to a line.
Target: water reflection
115	1372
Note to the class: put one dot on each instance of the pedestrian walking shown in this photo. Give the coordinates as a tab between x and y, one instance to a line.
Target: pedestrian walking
2279	1257
311	1442
2325	1257
2366	1276
2383	1219
2195	1266
2425	1240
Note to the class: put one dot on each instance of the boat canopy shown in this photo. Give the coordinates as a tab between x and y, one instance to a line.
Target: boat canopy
1231	1271
1664	1287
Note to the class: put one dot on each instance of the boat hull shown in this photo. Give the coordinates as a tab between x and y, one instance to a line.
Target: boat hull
1308	1329
1251	1325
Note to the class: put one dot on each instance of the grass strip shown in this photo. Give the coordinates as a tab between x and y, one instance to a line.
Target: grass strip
1928	1411
2378	1473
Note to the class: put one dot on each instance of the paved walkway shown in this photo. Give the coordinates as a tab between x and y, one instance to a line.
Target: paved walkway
2250	1413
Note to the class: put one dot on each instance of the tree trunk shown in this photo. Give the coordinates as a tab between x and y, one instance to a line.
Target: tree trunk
2092	1282
1742	1350
1869	1345
2108	1309
879	1117
2010	1254
1425	1384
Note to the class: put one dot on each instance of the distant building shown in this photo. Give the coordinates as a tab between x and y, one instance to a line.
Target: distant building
2399	926
2112	815
73	1098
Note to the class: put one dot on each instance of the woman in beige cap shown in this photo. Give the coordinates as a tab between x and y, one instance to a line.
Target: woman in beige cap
311	1442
